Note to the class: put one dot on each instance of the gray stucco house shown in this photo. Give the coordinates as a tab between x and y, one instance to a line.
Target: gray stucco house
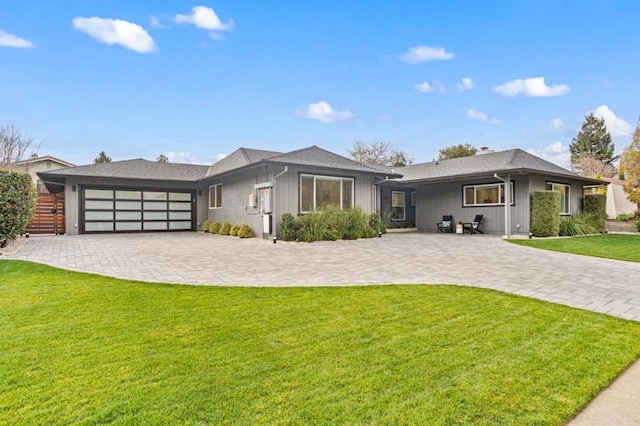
256	187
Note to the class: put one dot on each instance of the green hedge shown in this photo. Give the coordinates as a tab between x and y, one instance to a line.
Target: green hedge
330	224
595	205
17	203
545	213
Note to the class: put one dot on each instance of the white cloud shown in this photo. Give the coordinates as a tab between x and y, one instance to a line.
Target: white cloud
10	40
556	153
532	87
425	87
474	114
557	123
181	157
324	113
155	22
615	125
220	156
385	117
418	54
205	18
465	84
116	31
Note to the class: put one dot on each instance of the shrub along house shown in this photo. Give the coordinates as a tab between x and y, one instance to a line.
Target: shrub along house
467	186
248	186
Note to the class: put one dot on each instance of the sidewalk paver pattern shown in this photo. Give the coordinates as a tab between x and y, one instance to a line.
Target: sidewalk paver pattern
600	285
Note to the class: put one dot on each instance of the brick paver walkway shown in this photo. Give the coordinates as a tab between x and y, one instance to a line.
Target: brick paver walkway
600	285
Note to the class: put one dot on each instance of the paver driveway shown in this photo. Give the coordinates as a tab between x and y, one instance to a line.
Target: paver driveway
601	285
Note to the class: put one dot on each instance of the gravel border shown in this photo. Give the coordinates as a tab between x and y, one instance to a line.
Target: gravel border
13	247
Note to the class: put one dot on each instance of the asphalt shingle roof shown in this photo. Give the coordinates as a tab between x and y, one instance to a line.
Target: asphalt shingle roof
136	169
514	160
318	157
240	158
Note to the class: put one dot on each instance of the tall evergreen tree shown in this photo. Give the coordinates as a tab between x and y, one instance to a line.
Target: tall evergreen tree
102	158
457	151
594	140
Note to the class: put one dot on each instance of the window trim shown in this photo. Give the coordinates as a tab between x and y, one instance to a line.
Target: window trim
341	179
218	203
568	195
413	198
404	206
500	186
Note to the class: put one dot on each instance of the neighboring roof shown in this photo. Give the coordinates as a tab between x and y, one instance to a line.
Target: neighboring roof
134	169
240	158
318	157
45	158
514	161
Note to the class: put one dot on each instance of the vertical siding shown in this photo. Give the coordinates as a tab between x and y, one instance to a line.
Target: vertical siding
438	199
235	199
539	183
288	192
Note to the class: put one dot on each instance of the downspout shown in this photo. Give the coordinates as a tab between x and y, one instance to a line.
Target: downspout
507	204
275	199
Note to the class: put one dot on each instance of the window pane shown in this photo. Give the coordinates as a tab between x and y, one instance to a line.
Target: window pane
128	205
155	206
469	198
327	192
98	193
306	193
347	193
155	226
179	206
179	225
180	215
397	198
103	205
98	215
155	215
128	226
212	197
128	215
98	226
219	196
179	196
128	195
148	195
487	195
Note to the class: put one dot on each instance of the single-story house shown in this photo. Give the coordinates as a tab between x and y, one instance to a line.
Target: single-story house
468	186
34	165
248	186
256	187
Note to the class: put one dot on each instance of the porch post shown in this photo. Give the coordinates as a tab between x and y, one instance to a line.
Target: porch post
507	206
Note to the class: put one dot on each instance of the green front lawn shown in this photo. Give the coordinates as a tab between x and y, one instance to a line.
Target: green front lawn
611	246
79	348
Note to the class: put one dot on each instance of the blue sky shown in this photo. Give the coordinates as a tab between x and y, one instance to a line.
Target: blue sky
196	80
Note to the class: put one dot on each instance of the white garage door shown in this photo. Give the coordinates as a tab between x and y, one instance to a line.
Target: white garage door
136	210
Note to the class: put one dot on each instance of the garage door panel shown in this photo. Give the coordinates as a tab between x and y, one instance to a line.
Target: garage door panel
136	210
98	226
128	226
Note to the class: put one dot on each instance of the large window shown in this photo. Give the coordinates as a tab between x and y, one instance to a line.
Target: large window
565	196
398	205
317	192
491	194
215	196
